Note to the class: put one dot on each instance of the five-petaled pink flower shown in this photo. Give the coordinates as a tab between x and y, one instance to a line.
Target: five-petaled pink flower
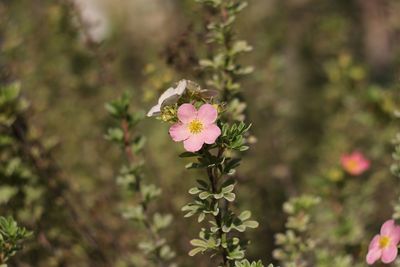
384	246
195	127
355	163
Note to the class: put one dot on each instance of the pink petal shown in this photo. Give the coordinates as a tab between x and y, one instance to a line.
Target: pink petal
179	132
388	227
395	235
373	255
389	254
207	114
193	143
362	161
365	165
187	113
374	242
211	133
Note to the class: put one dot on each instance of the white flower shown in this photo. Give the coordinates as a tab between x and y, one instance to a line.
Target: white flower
170	96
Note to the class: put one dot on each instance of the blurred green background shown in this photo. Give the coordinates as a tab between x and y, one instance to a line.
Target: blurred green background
325	83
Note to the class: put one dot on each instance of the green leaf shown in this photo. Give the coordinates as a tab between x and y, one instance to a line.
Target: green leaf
5	140
134	213
161	221
166	253
6	193
150	192
194	191
244	148
228	189
115	135
218	196
206	63
137	117
240	47
204	195
195	251
230	197
138	143
198	243
201	217
251	224
13	235
112	109
245	215
237	254
10	92
246	263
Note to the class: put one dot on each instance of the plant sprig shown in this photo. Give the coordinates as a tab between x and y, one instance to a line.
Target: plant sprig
11	238
222	66
213	195
295	244
215	192
132	180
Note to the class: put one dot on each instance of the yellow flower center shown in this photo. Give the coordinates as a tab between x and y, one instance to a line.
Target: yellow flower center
384	242
352	165
195	126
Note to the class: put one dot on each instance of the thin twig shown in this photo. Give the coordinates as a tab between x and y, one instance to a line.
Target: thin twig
131	159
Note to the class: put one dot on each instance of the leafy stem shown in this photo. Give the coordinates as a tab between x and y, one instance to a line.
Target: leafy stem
138	188
222	67
131	179
11	238
211	172
214	193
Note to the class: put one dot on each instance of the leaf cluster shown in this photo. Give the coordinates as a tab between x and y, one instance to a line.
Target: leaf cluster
246	263
132	180
295	244
11	103
11	238
222	66
213	196
234	136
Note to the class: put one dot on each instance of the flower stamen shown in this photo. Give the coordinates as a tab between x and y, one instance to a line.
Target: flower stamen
352	165
195	126
384	241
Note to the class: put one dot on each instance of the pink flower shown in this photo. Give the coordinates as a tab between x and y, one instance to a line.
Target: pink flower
195	127
384	246
355	163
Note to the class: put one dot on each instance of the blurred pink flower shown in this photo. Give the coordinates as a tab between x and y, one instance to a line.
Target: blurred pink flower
195	127
355	163
384	246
